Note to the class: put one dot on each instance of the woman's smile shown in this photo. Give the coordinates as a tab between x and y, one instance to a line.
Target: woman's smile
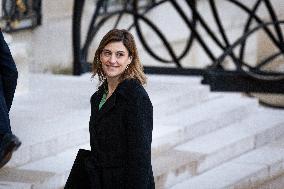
112	66
114	59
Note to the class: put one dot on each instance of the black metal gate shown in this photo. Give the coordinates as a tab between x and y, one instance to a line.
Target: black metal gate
244	77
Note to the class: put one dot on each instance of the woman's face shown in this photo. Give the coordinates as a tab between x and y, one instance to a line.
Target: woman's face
114	59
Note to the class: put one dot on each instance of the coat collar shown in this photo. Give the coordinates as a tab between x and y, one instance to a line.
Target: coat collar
122	89
109	104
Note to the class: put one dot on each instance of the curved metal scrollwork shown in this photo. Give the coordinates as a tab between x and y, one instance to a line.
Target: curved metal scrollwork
214	75
129	7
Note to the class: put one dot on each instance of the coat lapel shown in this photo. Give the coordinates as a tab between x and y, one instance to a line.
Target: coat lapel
121	89
95	103
109	104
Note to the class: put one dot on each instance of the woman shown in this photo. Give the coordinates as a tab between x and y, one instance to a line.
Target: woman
121	119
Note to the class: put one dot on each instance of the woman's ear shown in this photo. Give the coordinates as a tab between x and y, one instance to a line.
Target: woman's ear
100	57
130	59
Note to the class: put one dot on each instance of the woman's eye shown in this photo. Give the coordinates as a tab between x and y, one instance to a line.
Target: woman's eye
107	53
119	55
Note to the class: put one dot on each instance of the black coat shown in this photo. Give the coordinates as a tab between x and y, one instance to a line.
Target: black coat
8	73
121	137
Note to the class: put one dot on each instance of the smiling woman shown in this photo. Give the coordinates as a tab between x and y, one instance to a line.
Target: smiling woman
115	59
121	121
118	46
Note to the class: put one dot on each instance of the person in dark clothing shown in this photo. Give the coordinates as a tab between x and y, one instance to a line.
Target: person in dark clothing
8	82
121	120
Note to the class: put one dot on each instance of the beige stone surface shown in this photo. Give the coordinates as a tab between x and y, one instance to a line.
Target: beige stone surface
22	59
57	9
276	100
23	176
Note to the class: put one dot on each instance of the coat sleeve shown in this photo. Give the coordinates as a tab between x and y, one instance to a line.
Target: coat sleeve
8	72
139	138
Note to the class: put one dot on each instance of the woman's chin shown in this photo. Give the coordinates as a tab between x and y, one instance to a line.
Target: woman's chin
113	75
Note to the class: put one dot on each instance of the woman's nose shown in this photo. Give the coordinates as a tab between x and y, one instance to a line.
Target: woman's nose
112	59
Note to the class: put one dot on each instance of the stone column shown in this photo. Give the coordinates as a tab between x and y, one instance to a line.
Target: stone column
265	49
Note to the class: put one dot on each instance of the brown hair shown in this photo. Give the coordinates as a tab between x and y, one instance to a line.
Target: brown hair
135	68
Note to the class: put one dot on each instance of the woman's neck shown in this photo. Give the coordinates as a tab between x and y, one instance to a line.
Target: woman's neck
112	84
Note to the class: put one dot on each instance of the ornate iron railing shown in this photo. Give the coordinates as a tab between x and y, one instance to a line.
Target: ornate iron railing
244	77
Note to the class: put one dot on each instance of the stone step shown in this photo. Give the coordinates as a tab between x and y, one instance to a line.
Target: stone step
48	173
54	115
54	120
179	102
276	182
208	151
189	160
174	92
15	178
183	124
259	169
61	139
165	91
14	185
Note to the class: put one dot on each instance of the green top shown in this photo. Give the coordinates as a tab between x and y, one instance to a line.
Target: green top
103	100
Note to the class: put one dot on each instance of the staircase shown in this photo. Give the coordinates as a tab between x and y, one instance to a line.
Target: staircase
200	139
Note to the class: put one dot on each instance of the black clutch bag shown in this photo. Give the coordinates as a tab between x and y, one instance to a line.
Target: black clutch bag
78	177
